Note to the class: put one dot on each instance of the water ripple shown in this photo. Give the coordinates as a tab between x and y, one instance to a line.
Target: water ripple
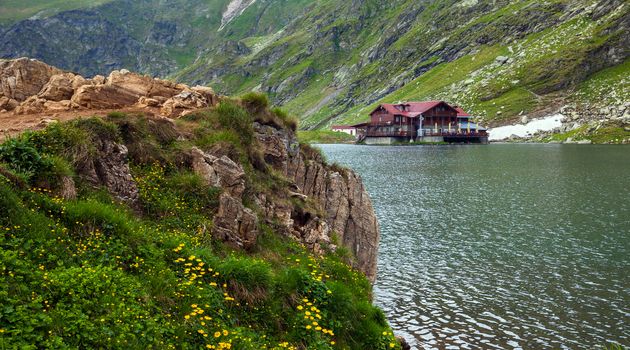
501	246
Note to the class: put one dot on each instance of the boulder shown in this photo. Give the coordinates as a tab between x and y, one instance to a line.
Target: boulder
207	93
60	106
145	102
524	119
315	233
7	103
502	59
219	172
32	105
404	345
141	85
98	80
276	145
22	78
186	100
58	88
79	81
103	97
46	122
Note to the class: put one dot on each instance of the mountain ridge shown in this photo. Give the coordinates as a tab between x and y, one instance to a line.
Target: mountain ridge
331	61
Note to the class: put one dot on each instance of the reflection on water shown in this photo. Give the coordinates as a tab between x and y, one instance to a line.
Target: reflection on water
501	246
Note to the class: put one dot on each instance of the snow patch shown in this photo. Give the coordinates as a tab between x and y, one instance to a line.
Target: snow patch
523	130
234	9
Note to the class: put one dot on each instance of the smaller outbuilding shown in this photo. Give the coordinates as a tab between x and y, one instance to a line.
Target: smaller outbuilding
350	130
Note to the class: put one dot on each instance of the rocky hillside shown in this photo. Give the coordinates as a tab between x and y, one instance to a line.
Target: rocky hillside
215	230
331	61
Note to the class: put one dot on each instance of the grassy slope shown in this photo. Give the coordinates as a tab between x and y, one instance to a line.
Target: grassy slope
541	60
324	136
94	273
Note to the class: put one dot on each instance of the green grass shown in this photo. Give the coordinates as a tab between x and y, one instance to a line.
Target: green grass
428	85
609	133
324	136
606	85
508	104
93	272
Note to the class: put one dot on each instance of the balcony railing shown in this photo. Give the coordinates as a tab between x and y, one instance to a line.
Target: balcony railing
378	132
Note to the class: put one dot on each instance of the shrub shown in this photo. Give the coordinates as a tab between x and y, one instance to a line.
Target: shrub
288	121
65	140
233	117
22	156
116	115
255	102
99	129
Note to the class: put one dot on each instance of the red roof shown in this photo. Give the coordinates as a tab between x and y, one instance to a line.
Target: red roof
413	109
461	112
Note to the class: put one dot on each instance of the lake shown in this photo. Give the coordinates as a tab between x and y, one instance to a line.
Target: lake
504	246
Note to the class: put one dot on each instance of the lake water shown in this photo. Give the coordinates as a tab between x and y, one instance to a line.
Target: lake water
502	246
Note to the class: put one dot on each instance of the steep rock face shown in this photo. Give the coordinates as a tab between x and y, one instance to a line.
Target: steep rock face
340	193
322	201
348	207
233	222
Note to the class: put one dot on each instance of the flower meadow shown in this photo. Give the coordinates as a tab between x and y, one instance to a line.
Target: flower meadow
95	273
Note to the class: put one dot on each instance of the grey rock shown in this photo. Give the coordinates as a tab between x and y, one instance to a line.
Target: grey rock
502	59
235	224
109	168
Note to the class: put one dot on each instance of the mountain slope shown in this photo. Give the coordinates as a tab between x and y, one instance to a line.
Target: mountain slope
341	58
331	61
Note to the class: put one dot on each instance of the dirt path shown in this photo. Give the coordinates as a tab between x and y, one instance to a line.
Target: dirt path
12	124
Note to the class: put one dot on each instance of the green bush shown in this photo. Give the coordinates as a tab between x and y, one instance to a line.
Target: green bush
233	117
21	155
255	102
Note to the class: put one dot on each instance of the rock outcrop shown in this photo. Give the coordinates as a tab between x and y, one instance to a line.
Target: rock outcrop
339	193
323	206
23	78
32	87
110	168
233	223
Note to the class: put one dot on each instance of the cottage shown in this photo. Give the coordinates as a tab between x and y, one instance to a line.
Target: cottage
350	130
431	121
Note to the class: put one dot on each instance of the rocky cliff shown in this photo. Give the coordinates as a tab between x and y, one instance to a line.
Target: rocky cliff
339	195
321	206
214	229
